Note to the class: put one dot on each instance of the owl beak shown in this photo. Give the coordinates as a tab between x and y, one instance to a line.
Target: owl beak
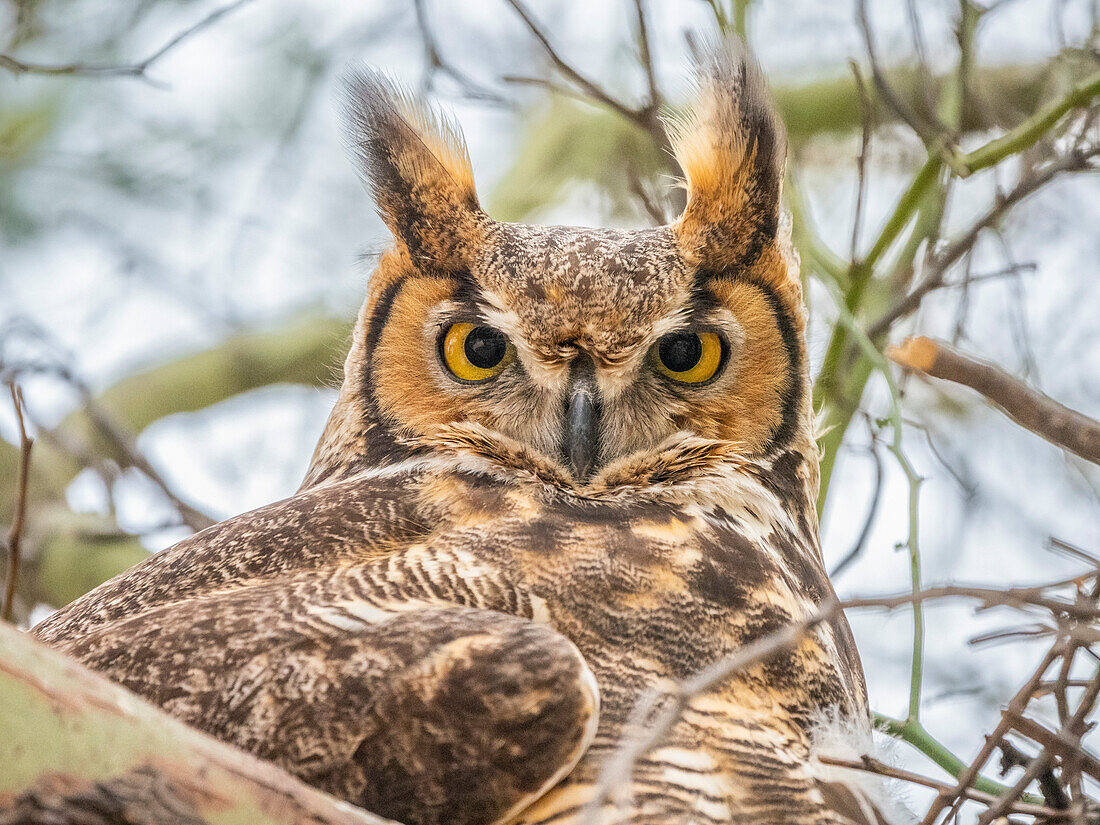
582	419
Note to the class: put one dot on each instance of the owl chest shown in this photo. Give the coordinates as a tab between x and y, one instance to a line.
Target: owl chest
643	584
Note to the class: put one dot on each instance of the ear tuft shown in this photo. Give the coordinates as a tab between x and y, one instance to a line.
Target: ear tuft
732	148
416	163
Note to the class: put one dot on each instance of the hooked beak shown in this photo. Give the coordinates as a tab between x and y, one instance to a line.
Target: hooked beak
582	419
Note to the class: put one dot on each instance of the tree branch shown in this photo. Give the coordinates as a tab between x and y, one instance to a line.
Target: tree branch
436	61
139	69
1031	130
591	88
15	535
942	261
646	54
62	722
870	765
929	131
1028	407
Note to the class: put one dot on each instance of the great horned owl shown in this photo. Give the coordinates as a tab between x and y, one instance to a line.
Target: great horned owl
566	466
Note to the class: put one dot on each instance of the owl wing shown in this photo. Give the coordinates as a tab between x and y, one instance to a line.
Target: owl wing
367	683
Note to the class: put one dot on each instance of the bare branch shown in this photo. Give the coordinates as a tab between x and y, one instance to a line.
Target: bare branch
872	511
1028	407
647	729
1068	747
1069	739
1015	707
120	443
15	535
861	161
930	132
592	89
549	85
123	444
654	101
139	69
652	208
436	62
1049	786
936	271
871	765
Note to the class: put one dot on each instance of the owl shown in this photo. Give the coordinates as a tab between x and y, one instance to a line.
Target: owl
566	468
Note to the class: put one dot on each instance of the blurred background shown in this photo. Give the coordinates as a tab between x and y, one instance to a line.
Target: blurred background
184	243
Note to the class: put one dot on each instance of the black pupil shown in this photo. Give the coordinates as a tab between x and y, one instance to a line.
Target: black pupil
680	351
485	347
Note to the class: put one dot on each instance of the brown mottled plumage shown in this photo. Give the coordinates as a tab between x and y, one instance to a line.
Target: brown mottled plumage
422	628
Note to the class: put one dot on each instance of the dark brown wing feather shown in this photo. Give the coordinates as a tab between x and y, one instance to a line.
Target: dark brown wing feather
352	681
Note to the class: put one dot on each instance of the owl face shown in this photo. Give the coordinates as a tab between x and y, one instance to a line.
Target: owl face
585	346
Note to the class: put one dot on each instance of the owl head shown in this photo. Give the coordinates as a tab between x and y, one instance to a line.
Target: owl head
581	347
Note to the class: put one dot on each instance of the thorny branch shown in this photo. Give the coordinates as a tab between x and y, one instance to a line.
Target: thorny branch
15	534
139	69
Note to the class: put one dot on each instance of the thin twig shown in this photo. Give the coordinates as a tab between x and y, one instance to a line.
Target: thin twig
647	117
437	62
591	88
654	101
139	69
872	510
652	208
866	113
928	131
123	444
648	729
1015	597
871	765
15	535
1028	407
935	272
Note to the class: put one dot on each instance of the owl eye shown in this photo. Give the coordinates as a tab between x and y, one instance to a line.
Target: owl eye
475	353
688	357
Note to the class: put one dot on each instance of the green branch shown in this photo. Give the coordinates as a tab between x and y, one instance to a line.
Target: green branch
913	732
912	544
1028	133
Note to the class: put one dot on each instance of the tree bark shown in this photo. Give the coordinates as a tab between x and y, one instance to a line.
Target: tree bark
77	747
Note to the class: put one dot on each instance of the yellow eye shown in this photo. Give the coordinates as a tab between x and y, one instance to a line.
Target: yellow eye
475	353
688	357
